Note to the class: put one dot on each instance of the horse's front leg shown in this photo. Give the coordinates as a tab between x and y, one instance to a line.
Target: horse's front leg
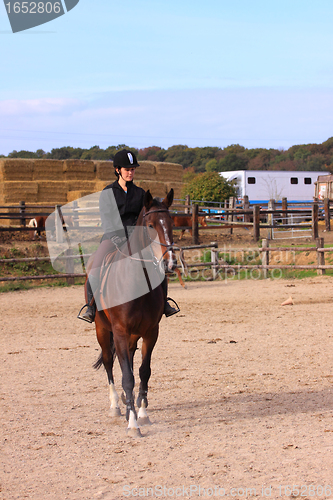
125	357
148	345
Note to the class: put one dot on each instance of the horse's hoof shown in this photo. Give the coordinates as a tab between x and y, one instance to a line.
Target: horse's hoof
134	432
115	412
144	421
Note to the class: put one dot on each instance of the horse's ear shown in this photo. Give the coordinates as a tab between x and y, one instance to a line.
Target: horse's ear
168	199
147	200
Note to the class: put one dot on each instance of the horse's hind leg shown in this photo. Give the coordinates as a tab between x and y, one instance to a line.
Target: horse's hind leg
125	356
107	357
148	345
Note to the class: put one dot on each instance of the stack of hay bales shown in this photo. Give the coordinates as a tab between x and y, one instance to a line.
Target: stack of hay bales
51	182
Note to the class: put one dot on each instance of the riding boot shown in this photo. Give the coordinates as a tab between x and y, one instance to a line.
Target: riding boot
90	312
168	309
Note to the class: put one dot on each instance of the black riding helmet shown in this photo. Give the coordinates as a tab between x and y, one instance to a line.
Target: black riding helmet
125	158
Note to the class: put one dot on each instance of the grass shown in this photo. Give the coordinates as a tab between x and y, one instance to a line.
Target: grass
22	269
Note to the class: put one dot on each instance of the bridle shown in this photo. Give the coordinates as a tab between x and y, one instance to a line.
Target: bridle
168	248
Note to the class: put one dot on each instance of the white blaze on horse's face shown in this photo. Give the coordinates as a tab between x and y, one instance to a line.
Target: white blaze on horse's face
167	240
163	238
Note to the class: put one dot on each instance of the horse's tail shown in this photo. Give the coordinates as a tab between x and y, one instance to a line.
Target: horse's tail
99	362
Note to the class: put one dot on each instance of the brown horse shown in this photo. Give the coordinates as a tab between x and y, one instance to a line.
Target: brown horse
120	327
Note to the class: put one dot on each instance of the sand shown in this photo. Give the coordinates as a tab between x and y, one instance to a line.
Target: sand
240	397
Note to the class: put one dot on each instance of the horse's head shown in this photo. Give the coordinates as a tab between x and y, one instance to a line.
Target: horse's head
157	220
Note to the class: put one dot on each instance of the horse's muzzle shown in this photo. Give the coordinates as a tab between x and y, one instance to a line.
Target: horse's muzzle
170	263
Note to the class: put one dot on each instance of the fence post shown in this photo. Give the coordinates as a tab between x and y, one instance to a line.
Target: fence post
58	225
256	222
70	266
187	202
320	256
214	258
327	214
314	223
195	228
284	207
265	257
75	214
270	233
22	213
232	203
246	207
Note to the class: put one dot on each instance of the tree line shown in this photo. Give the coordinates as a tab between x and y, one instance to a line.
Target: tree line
206	159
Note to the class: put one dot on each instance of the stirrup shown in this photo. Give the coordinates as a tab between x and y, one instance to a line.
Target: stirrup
172	309
79	316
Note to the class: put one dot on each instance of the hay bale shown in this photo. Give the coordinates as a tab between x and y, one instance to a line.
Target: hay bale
157	189
48	170
167	172
146	171
81	185
79	170
75	195
52	192
16	169
104	171
16	191
177	188
100	185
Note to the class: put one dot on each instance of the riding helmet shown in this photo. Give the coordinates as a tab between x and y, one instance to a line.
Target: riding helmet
125	158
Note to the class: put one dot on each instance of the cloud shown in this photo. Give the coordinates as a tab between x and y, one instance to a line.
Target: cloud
32	107
266	117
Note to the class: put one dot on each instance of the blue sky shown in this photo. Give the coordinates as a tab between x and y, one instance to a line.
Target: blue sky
141	72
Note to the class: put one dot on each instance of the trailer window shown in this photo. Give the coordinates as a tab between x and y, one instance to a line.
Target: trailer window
251	180
293	180
307	180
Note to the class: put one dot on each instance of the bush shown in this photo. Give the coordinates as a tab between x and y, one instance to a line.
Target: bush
208	186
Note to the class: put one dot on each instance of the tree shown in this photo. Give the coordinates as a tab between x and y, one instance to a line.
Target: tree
212	166
209	186
233	161
22	154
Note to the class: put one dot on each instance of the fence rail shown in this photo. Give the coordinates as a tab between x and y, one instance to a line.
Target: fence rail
215	264
272	219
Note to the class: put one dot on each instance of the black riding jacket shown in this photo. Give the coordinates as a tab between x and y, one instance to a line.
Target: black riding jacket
129	207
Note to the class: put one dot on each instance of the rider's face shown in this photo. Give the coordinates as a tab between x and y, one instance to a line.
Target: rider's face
127	173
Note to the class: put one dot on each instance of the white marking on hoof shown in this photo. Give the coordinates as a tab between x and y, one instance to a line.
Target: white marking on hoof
132	423
143	418
114	399
115	412
133	428
134	432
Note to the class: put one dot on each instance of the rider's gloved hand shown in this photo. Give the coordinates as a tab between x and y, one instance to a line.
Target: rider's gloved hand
117	241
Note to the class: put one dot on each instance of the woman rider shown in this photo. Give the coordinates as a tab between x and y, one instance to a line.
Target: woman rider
129	200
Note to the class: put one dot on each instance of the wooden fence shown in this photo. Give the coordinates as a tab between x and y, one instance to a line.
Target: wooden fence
256	218
216	263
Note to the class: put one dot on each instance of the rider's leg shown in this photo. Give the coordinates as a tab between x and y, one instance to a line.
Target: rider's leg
93	281
168	309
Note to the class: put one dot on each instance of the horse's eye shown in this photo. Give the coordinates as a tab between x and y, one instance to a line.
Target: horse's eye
150	225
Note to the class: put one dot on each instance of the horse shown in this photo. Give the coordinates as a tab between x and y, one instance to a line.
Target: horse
119	327
40	220
39	223
186	220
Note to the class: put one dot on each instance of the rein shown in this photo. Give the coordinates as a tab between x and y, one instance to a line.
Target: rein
171	247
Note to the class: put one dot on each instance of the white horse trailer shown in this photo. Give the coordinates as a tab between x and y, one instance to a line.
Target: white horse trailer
263	185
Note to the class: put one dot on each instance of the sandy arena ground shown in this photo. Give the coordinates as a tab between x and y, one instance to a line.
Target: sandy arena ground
241	398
